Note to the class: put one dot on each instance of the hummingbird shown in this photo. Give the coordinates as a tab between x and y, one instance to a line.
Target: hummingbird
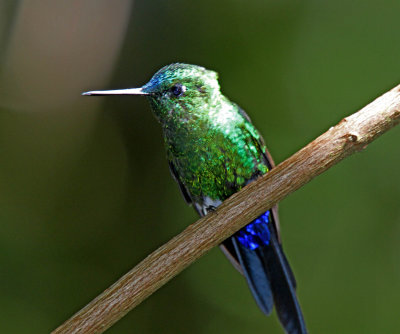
214	150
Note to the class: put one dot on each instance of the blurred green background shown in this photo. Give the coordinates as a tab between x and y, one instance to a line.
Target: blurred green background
85	191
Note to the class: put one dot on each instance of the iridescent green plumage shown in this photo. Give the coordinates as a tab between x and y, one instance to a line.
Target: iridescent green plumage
212	144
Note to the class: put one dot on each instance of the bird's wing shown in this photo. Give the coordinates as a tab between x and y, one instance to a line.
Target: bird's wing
182	187
228	247
259	142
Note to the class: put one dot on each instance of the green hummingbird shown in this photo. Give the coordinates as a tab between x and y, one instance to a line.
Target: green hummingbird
213	151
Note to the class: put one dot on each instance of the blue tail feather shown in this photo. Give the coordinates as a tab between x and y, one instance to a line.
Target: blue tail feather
257	279
268	273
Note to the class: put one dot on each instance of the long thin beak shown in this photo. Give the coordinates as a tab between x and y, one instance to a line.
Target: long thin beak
130	91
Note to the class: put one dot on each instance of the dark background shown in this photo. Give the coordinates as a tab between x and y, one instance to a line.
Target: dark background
85	191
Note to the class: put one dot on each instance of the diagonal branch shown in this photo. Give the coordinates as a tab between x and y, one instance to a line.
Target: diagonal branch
351	135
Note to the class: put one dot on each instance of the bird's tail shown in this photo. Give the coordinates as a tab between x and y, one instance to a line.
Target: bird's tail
271	281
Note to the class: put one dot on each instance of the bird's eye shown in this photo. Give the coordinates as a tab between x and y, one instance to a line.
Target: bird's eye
178	89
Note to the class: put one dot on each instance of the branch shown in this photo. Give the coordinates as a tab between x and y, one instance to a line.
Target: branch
351	135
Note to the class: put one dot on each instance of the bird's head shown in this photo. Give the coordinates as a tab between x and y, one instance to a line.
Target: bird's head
177	91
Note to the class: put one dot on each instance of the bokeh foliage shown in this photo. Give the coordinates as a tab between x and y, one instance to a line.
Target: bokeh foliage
85	191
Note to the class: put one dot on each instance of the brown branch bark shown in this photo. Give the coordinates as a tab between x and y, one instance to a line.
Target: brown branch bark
351	135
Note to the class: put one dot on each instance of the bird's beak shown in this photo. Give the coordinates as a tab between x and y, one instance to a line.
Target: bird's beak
130	91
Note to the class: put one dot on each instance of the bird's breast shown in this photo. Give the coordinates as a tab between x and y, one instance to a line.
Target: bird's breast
215	163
